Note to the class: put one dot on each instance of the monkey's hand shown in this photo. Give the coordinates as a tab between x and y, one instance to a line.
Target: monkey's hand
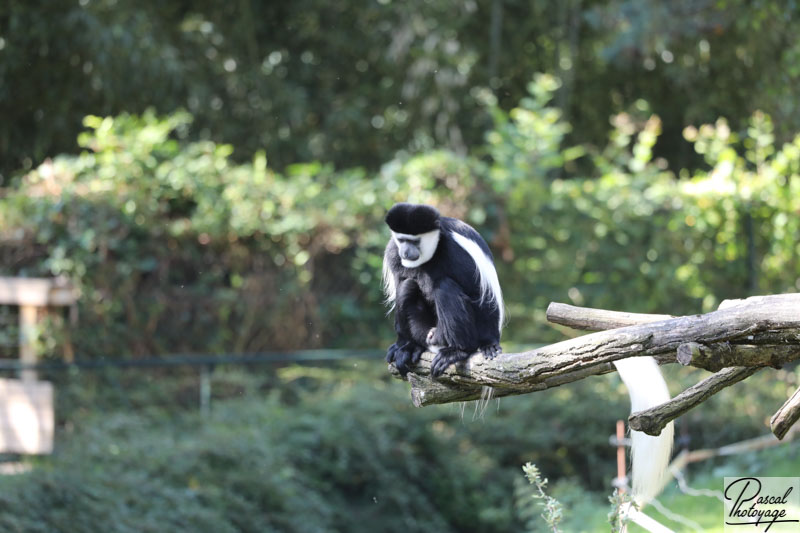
404	354
490	351
446	357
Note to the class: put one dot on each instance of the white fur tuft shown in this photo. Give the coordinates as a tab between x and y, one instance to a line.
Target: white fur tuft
487	393
389	285
490	285
649	455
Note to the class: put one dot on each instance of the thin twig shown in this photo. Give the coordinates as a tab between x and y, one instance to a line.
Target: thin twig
787	415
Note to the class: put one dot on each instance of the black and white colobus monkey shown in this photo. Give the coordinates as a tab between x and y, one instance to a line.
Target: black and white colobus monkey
439	274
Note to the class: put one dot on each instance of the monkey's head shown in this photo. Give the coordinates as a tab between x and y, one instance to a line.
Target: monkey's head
415	231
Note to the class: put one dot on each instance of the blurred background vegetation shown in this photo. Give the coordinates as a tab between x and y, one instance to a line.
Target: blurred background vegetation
213	177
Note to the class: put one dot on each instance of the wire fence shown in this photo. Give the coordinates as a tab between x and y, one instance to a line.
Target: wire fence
200	360
204	363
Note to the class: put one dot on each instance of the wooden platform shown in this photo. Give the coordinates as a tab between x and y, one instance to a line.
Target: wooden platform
33	296
26	405
36	292
27	419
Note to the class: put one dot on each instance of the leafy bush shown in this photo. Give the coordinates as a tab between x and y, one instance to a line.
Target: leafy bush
336	448
354	458
177	248
628	234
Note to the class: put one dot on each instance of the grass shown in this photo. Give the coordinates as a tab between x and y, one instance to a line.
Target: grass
326	448
682	512
707	512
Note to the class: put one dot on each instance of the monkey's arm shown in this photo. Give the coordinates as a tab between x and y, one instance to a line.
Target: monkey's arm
414	318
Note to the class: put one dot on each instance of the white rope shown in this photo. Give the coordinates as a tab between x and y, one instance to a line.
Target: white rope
686	489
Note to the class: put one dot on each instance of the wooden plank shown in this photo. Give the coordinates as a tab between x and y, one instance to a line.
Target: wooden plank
40	292
27	332
27	419
24	291
62	296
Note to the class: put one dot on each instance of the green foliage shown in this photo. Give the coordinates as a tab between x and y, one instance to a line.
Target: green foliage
337	448
677	48
565	505
354	83
553	510
677	244
350	83
179	248
326	449
701	512
618	500
333	465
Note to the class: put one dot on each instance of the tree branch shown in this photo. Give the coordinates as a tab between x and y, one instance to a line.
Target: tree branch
590	319
652	421
786	416
764	320
715	357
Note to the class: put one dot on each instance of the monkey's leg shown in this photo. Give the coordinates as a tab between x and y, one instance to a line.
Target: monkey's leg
488	329
456	329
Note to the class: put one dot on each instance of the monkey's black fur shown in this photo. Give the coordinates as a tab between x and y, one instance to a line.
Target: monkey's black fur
413	219
439	303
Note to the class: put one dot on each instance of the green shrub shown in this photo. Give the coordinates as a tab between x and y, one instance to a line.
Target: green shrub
177	248
350	458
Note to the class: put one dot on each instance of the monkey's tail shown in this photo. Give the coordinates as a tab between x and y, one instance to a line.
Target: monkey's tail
649	455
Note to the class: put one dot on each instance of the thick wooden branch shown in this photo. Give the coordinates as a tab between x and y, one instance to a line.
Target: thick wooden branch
787	415
652	421
465	381
715	357
597	319
765	320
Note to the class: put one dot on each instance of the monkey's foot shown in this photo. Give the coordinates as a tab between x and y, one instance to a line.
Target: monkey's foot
446	357
404	354
490	351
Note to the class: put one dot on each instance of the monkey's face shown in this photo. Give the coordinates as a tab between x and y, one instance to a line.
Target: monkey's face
415	250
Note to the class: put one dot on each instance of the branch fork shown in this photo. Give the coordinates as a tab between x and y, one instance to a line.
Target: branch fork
734	342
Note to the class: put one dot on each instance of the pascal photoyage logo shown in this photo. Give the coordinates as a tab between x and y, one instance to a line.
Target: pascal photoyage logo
762	504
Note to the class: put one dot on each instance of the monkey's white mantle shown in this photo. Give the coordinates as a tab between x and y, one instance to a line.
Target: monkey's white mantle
735	341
